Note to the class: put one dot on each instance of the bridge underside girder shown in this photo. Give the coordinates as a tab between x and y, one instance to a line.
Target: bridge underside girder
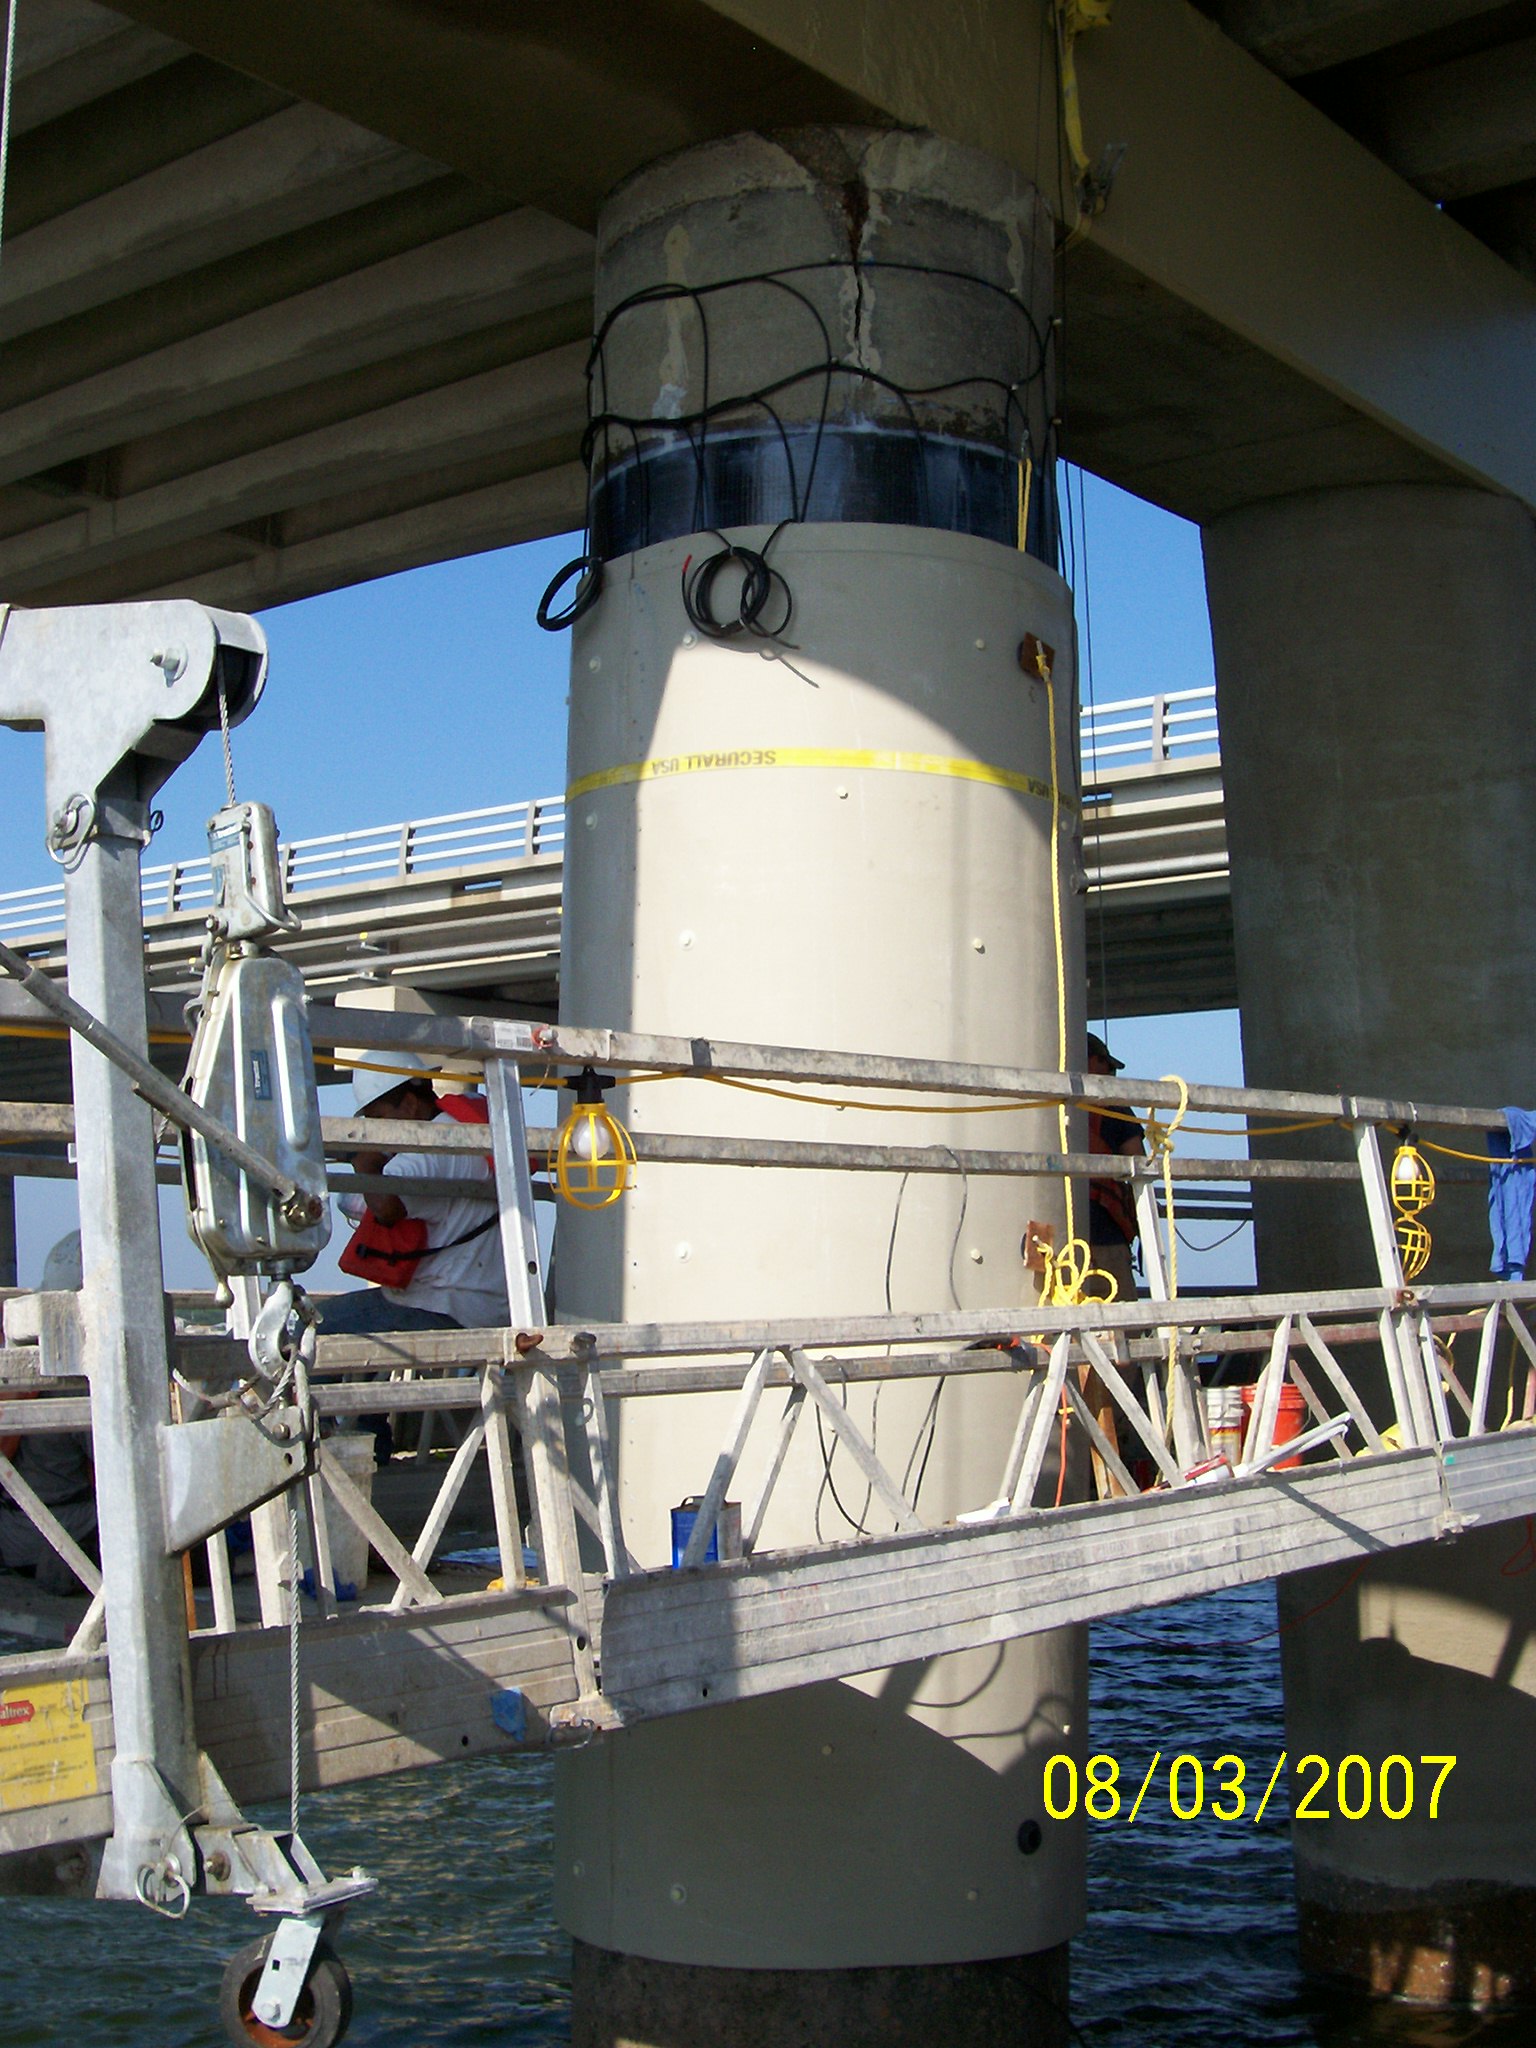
294	295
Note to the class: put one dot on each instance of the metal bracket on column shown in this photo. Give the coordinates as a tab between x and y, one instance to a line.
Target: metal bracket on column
113	683
218	1470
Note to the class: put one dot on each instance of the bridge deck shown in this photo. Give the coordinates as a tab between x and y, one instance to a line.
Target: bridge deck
468	907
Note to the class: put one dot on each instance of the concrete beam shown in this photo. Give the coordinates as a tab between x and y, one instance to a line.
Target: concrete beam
1238	205
1506	221
222	437
550	105
522	508
102	338
1239	202
298	166
521	404
100	147
72	52
1295	37
1456	129
495	272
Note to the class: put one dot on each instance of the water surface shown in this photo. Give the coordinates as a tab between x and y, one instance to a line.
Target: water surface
1190	1941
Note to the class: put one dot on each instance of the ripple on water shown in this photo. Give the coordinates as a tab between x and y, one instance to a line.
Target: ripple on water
1190	1941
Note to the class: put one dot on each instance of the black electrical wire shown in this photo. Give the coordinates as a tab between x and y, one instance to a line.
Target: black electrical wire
1217	1243
927	1429
830	1484
588	571
762	587
930	1421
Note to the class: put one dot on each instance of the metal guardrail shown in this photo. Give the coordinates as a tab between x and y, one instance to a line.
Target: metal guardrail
380	853
1174	725
1131	732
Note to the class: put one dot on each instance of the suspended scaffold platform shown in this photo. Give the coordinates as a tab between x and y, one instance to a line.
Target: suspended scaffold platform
588	1649
129	1753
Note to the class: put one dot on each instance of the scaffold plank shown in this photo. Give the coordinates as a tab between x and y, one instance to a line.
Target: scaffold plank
740	1630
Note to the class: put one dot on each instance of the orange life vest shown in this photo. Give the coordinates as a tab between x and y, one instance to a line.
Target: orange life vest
467	1109
388	1254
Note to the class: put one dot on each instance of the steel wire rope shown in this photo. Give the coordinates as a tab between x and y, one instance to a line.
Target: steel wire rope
294	1717
228	751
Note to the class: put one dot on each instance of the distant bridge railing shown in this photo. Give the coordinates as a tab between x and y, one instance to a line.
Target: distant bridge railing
1137	732
380	853
1131	732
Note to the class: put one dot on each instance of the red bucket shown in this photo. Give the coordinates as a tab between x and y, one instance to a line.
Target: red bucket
1290	1418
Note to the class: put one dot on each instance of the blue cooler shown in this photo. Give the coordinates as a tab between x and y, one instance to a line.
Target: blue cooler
727	1524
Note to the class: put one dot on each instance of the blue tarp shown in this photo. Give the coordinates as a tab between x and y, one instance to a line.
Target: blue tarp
1511	1185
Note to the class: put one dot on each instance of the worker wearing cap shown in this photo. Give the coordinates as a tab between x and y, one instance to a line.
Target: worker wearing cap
1111	1206
460	1281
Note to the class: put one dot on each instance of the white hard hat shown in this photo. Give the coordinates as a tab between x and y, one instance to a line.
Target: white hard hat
370	1082
61	1268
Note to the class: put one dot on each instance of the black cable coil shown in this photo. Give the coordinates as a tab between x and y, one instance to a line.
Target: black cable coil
761	585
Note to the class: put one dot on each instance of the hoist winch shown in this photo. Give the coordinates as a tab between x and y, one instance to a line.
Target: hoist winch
252	1066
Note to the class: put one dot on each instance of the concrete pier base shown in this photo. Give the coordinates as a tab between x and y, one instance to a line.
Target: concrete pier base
629	2002
1375	657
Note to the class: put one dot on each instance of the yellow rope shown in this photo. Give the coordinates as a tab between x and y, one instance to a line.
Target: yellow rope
1160	1137
1072	17
62	1031
1043	669
1065	1273
849	1102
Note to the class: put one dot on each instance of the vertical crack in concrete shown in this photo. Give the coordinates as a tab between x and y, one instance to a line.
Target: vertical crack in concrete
856	213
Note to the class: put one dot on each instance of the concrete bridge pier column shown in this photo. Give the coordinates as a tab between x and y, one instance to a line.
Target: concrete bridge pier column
810	804
1376	665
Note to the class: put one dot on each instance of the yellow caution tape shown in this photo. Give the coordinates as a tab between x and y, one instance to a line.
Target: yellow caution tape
661	767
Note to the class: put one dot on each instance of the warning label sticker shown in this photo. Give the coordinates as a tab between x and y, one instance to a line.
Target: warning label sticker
47	1752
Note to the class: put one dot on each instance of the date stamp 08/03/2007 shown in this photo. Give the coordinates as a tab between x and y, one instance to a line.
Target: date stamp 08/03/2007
1350	1789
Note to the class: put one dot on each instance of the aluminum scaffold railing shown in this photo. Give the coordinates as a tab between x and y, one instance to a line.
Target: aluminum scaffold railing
144	1735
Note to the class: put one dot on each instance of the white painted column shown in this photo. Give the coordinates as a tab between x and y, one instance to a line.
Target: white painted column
838	837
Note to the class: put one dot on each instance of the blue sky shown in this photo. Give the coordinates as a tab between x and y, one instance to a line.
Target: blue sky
435	691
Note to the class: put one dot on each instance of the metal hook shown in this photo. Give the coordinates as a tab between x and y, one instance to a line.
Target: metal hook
282	1339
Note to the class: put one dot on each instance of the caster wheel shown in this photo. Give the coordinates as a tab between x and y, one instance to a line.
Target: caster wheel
320	2018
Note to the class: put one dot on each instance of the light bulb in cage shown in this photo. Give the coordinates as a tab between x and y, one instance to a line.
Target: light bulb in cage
594	1153
1412	1182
